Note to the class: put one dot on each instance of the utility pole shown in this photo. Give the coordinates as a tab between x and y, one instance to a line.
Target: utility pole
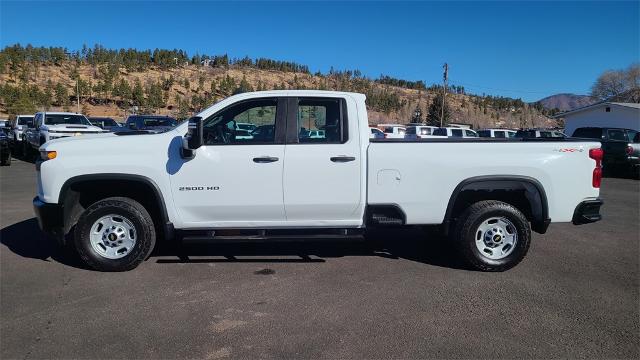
445	77
78	93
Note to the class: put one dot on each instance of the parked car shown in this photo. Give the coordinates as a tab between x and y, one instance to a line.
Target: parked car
4	123
414	132
455	132
118	202
394	132
105	123
539	133
375	133
246	126
17	132
497	133
5	149
633	155
243	135
615	143
55	125
150	123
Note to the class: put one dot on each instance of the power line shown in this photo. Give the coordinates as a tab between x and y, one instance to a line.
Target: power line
507	90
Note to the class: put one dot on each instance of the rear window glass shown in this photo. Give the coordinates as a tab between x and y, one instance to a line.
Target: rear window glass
616	134
591	133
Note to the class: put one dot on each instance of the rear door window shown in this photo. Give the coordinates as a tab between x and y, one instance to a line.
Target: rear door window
470	133
499	134
590	133
320	120
456	132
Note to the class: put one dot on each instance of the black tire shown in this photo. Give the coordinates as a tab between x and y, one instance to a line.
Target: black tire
6	157
466	228
134	212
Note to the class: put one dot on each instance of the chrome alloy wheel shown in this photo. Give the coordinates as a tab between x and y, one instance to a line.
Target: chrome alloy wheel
496	238
113	236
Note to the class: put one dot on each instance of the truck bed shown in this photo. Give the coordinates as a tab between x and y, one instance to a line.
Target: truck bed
420	176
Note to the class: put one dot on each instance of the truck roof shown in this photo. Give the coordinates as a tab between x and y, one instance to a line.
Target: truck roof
57	113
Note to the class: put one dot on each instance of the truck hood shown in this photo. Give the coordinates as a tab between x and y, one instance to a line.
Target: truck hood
73	128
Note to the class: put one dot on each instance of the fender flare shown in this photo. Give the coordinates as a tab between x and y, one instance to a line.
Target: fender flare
159	199
534	191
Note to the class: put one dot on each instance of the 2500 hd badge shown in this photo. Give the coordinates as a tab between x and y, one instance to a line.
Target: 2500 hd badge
198	188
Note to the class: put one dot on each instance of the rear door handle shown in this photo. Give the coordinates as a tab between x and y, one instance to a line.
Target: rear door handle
342	158
264	159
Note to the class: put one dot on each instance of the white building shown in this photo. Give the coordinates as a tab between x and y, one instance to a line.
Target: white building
605	114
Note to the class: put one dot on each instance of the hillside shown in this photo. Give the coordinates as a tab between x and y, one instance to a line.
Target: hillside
118	82
566	102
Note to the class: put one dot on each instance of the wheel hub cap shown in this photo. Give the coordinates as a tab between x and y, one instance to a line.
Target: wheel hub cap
496	238
113	236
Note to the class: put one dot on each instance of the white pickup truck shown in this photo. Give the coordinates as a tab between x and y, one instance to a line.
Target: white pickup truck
113	196
55	125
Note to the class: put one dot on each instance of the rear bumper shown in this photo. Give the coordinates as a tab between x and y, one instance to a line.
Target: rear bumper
50	218
587	212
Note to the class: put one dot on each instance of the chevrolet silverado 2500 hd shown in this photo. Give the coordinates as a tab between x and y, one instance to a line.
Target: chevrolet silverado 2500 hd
112	196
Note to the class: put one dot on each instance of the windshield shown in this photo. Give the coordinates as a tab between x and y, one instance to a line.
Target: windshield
57	119
153	121
23	120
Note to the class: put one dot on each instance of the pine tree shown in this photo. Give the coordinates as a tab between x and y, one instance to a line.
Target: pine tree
435	112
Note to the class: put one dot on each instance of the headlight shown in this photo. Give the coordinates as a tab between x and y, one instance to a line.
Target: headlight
48	155
77	134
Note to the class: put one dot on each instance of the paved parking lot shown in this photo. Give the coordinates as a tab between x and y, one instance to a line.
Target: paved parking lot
576	295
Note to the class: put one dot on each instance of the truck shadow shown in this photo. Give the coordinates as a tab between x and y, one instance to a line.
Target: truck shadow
25	239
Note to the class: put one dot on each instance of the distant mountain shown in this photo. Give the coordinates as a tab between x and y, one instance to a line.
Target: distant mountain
566	102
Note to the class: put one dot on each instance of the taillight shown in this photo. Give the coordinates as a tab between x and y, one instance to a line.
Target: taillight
596	154
629	150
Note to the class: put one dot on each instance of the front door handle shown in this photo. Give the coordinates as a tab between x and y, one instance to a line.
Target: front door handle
342	158
265	159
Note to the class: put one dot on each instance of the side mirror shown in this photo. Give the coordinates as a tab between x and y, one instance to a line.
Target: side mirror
194	137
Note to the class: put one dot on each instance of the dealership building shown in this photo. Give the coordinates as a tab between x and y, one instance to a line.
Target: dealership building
604	114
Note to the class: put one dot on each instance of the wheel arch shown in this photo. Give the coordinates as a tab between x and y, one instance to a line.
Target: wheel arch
500	187
137	187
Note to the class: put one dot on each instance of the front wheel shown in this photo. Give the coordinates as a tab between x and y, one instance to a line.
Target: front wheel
114	234
492	235
6	157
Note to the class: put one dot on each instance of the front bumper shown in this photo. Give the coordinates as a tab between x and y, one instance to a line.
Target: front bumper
50	218
587	212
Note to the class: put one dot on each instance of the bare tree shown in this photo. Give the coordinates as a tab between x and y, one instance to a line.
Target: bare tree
618	84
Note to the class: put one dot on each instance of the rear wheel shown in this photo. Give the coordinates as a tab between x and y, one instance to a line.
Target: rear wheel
114	234
492	235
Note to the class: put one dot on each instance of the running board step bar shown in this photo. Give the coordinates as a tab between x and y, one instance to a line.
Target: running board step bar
244	235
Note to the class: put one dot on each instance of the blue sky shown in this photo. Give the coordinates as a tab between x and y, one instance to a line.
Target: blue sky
528	50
